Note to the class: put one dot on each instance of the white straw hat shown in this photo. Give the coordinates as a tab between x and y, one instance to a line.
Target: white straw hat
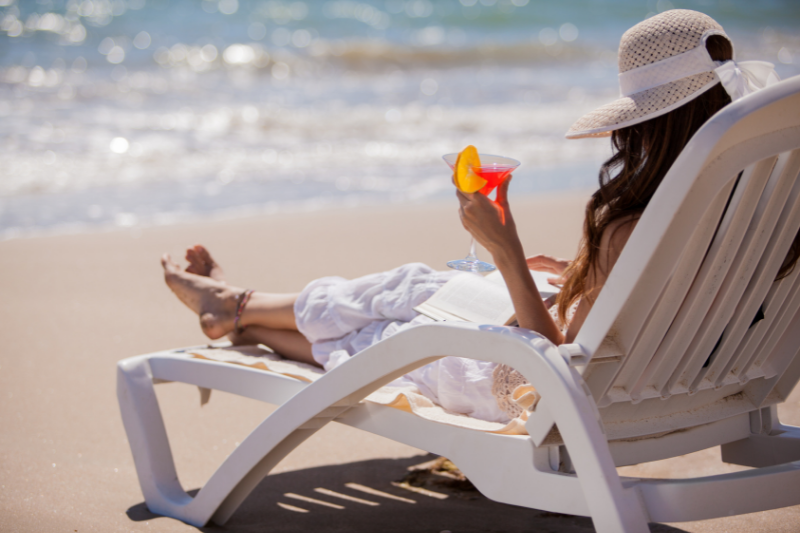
663	63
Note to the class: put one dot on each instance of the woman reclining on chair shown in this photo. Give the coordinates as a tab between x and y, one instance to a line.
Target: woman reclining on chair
672	67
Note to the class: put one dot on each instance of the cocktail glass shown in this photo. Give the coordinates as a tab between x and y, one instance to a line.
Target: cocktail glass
494	169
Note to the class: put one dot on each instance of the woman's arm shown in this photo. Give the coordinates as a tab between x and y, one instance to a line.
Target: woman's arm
492	225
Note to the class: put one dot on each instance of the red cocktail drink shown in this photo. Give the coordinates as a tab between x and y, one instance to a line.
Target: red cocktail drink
494	176
494	170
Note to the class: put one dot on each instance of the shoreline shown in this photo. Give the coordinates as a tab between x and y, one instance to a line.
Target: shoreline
245	212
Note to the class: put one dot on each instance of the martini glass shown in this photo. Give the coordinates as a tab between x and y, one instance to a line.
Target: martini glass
494	169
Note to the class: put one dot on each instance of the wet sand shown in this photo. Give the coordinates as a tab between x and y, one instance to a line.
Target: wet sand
73	305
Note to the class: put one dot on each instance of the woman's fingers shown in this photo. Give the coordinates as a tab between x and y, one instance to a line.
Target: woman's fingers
502	191
488	221
464	200
547	263
472	202
543	263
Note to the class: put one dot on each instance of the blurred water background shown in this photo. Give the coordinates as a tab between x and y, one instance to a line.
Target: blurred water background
132	112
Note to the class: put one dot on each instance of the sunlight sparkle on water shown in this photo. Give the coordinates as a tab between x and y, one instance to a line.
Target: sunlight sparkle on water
142	40
228	7
119	145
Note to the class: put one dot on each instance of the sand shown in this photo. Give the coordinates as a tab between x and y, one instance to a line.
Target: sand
73	305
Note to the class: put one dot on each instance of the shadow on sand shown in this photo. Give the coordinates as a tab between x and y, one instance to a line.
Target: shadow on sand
279	504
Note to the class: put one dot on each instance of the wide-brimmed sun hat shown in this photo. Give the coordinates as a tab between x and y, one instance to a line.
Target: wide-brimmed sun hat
663	64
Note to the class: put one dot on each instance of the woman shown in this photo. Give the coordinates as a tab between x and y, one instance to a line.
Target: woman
676	72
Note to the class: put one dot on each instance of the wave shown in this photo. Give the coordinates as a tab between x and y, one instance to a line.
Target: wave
374	55
369	54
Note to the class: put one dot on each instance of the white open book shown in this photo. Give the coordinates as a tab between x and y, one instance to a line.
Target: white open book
483	300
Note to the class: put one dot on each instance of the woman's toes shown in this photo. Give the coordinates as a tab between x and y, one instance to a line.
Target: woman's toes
170	266
196	265
202	264
203	254
214	270
190	255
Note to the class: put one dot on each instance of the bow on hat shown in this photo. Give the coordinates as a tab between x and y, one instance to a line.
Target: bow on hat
741	79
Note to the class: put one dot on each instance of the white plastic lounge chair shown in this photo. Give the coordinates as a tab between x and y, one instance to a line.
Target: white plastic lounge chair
666	363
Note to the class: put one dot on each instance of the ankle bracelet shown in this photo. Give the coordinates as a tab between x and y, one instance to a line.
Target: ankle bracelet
243	299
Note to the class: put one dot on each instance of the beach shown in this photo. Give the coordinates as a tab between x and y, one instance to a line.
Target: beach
74	305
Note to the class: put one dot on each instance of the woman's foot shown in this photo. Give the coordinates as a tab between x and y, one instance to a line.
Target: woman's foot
214	301
202	264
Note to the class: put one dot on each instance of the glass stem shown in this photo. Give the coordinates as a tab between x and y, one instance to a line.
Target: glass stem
472	256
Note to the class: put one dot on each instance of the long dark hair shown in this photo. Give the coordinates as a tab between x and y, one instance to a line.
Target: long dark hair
643	153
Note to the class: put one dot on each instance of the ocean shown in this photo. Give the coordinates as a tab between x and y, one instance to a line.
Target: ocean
127	113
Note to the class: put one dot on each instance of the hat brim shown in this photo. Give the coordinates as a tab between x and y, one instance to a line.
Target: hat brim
641	106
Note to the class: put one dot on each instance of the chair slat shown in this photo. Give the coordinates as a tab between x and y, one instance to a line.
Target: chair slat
727	316
657	324
785	315
712	275
600	378
737	334
681	329
789	346
778	292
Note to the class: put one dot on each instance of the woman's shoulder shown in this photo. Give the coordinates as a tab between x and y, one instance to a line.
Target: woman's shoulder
615	237
618	231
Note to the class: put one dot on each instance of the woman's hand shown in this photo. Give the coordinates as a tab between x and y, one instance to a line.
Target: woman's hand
490	221
550	264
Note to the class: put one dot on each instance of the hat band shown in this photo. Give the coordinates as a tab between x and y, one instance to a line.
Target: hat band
695	61
738	79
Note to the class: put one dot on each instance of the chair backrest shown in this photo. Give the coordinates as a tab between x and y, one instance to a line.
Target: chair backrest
674	335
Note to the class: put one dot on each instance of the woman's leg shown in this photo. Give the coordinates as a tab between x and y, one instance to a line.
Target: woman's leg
270	310
215	302
269	317
288	343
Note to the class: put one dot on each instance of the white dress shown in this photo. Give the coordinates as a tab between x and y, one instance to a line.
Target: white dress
342	317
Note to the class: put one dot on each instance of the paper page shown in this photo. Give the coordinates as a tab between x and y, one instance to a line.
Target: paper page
473	299
433	312
540	278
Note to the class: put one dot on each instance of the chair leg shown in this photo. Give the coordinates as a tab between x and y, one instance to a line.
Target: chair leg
771	442
147	436
231	483
614	508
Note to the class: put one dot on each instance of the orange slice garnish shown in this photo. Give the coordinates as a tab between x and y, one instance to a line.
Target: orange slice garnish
467	180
